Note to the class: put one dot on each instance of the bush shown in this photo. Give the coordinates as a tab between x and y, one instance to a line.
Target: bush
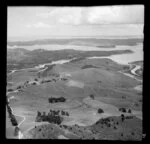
91	96
19	87
129	117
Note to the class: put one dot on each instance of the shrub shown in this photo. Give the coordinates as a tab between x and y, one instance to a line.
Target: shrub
9	90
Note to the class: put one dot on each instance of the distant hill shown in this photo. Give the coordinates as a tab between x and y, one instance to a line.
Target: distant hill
22	58
78	41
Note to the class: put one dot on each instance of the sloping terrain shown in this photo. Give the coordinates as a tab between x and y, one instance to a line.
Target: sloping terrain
76	81
112	128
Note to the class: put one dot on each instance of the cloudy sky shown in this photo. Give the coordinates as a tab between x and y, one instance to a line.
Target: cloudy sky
75	21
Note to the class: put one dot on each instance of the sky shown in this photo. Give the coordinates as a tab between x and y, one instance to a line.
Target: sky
40	22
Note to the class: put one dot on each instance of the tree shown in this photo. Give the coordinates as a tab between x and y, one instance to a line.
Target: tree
122	109
122	117
62	112
38	117
44	117
129	111
100	110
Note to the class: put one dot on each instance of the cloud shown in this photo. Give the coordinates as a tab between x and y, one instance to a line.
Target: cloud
38	25
95	15
63	15
116	15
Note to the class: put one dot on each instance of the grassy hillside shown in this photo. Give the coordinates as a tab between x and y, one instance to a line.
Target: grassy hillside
26	59
76	81
112	128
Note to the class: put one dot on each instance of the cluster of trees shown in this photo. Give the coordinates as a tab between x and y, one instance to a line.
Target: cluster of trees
125	110
11	116
53	116
105	121
55	100
129	117
50	117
